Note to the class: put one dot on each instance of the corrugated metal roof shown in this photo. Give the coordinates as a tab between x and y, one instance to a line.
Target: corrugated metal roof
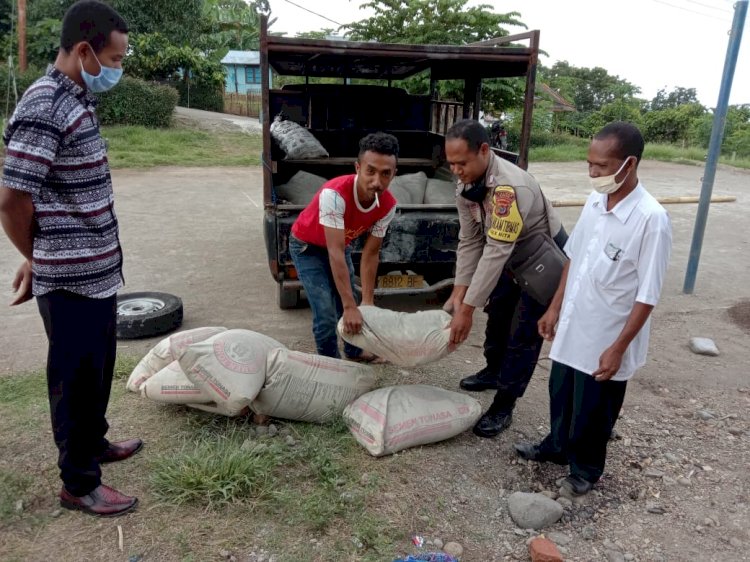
242	57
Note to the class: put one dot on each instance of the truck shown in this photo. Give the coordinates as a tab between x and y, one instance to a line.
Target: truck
341	90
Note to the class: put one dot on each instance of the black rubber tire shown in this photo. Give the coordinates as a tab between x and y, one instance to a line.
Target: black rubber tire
287	299
147	314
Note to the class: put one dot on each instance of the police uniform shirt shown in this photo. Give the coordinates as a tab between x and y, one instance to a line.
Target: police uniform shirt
617	258
513	209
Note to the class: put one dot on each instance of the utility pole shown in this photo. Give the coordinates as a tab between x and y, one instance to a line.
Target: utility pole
22	63
714	147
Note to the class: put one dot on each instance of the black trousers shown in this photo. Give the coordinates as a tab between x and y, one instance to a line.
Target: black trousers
80	365
511	339
582	415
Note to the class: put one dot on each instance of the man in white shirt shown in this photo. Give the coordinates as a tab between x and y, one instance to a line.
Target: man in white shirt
599	317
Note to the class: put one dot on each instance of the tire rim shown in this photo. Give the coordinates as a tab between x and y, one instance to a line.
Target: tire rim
139	306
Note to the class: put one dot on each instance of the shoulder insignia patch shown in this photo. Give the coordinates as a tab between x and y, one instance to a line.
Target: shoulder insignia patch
506	222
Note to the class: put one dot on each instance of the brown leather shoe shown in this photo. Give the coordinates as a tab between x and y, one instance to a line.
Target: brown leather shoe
120	450
102	502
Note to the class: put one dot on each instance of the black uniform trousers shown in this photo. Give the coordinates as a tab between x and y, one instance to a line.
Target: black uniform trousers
511	340
583	413
80	365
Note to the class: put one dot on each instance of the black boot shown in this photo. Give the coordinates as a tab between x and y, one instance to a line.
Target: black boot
486	379
493	423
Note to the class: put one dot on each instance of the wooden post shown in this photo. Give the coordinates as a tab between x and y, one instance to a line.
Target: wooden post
22	61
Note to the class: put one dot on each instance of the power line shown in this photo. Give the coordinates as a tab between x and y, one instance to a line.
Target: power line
688	10
313	13
708	6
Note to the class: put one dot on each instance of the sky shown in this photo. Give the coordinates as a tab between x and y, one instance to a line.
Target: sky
653	44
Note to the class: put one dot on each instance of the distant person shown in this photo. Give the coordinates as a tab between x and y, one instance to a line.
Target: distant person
343	209
56	206
500	207
599	319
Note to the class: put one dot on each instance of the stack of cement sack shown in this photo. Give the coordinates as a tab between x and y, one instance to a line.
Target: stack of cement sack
231	372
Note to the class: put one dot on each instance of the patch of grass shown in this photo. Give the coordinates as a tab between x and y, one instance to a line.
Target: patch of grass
23	392
216	471
124	365
141	147
12	487
573	152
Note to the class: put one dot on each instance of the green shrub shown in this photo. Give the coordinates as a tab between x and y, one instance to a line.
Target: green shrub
136	102
200	96
23	81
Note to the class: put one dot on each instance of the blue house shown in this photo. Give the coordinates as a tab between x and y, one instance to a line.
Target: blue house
242	69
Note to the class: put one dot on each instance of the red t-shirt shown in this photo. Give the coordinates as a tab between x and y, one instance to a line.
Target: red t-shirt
307	227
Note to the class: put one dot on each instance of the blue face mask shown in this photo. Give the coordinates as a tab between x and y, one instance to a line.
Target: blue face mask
106	79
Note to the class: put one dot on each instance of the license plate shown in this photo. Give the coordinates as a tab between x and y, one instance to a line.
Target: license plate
400	282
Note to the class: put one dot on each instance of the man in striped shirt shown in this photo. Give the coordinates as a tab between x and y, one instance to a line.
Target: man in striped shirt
56	206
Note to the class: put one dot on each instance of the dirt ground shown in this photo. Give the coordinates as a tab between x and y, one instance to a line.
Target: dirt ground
677	485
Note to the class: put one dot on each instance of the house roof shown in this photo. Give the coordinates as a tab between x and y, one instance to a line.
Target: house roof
242	57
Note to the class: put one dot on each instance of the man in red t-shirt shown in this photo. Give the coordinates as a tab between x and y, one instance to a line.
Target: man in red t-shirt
345	208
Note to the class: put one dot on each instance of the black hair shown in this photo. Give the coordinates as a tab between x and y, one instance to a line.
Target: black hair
379	142
471	131
629	139
92	22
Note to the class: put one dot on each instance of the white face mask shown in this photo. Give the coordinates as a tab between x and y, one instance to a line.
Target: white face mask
607	184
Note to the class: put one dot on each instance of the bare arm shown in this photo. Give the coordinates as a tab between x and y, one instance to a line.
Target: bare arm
335	243
17	218
611	359
368	268
547	323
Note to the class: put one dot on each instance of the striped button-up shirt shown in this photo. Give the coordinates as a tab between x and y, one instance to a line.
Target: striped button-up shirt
55	153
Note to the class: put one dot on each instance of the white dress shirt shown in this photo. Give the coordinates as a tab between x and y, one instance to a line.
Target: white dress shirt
617	258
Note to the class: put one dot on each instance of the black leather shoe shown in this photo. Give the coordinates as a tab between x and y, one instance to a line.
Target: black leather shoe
120	450
483	380
577	486
531	452
493	423
101	502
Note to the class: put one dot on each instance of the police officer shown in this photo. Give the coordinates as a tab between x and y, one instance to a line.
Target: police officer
499	206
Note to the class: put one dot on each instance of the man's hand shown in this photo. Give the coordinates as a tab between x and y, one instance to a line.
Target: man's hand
352	320
547	323
461	324
22	284
455	300
609	364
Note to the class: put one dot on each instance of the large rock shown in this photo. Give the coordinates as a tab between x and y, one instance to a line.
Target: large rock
704	346
534	511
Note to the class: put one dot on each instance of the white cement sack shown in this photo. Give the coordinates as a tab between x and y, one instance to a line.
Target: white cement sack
221	409
312	388
297	142
408	189
230	367
163	353
406	339
440	192
172	386
391	419
301	188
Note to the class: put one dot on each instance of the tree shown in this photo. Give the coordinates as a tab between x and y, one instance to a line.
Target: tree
441	22
678	96
180	21
672	125
233	24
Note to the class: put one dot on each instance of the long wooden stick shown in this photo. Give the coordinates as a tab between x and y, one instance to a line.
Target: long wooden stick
662	200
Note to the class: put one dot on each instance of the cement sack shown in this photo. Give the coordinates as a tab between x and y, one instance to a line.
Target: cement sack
409	189
172	386
221	409
297	142
230	367
406	339
163	353
395	418
301	188
440	192
312	388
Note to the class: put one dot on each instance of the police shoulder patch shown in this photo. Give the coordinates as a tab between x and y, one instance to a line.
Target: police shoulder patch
506	222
